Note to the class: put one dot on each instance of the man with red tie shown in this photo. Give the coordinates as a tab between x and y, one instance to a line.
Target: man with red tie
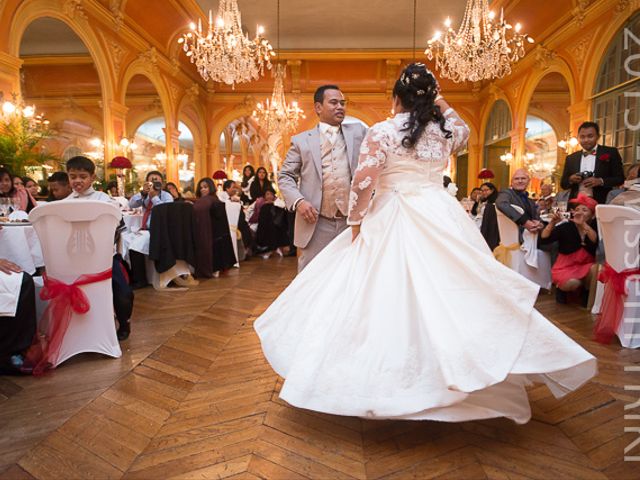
595	169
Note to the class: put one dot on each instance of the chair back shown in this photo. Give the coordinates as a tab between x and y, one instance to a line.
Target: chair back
76	236
507	228
620	229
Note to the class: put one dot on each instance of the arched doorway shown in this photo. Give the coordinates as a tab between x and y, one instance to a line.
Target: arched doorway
59	78
497	142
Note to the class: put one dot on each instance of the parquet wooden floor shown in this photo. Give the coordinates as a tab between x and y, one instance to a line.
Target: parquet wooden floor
193	397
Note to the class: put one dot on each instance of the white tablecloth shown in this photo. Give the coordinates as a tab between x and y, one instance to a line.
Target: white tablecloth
20	245
133	238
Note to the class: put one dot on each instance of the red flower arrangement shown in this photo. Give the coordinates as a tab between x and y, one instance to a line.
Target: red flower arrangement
604	157
219	175
485	173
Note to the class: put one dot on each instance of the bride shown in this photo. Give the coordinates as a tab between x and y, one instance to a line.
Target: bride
409	316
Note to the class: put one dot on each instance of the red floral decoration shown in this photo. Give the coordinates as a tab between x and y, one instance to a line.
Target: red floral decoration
120	162
219	175
604	157
486	173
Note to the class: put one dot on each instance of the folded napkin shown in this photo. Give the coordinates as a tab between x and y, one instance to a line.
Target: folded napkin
530	248
9	293
18	215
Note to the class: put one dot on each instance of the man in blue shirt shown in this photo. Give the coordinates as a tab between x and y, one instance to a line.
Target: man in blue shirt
152	194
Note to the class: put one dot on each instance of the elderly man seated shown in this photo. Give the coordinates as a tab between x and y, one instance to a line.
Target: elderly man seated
515	203
17	316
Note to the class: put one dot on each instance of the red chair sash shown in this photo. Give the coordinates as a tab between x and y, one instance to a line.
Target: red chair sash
615	293
63	301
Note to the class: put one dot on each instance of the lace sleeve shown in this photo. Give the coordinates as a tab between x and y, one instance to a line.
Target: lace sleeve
370	164
459	129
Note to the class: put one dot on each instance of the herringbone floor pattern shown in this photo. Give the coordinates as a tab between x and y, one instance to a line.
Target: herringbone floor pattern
193	398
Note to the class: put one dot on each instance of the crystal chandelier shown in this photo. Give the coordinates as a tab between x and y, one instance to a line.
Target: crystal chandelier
224	53
481	49
276	117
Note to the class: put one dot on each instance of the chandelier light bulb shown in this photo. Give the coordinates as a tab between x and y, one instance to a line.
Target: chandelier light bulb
124	142
260	30
8	108
28	112
447	22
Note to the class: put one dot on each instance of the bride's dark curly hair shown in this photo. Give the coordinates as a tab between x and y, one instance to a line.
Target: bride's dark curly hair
417	90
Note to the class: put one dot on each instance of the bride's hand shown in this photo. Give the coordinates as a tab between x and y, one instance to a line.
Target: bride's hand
355	231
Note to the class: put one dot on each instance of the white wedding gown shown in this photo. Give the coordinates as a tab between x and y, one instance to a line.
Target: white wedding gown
415	319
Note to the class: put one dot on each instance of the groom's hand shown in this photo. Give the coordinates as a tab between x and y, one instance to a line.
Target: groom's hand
307	211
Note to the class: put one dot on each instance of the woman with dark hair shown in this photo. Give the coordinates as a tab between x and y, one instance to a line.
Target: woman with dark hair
489	224
31	185
260	184
409	315
248	176
172	188
214	250
23	199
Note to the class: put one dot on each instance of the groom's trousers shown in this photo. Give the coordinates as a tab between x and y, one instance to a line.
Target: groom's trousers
326	230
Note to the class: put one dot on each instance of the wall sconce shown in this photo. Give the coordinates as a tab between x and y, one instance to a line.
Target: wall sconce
127	145
568	143
507	158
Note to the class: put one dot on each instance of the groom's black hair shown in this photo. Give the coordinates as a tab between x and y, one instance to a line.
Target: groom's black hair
318	97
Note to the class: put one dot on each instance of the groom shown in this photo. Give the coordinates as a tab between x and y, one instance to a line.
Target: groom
315	179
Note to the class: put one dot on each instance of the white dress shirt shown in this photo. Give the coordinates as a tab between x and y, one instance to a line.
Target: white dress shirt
89	194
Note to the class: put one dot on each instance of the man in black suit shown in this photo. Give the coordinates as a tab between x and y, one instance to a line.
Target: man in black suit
515	203
594	170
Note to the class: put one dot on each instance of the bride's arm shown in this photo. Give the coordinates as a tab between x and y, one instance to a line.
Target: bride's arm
370	164
455	124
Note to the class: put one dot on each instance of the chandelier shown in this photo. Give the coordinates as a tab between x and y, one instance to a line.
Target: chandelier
276	117
540	166
224	53
481	49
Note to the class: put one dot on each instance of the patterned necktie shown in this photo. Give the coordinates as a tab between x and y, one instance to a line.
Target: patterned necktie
332	134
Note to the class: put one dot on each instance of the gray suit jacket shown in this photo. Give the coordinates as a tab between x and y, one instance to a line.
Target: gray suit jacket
301	173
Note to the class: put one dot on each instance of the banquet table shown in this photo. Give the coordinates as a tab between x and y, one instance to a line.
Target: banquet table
133	238
20	245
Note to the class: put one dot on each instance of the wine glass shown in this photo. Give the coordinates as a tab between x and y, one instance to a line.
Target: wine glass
4	207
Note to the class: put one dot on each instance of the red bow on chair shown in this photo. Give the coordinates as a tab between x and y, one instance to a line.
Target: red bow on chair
608	320
64	300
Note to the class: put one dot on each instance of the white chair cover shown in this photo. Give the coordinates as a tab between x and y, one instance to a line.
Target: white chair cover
509	236
77	239
233	216
620	229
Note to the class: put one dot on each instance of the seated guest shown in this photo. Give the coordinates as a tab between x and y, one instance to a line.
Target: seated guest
545	202
112	189
515	203
629	194
489	225
172	188
260	184
59	186
577	243
81	172
272	227
82	175
229	192
17	316
32	186
214	250
594	170
475	195
248	176
15	190
152	194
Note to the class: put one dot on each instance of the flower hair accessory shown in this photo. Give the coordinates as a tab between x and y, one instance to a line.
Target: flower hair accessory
420	92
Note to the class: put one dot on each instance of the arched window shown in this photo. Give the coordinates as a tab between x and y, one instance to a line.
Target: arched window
610	102
497	141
